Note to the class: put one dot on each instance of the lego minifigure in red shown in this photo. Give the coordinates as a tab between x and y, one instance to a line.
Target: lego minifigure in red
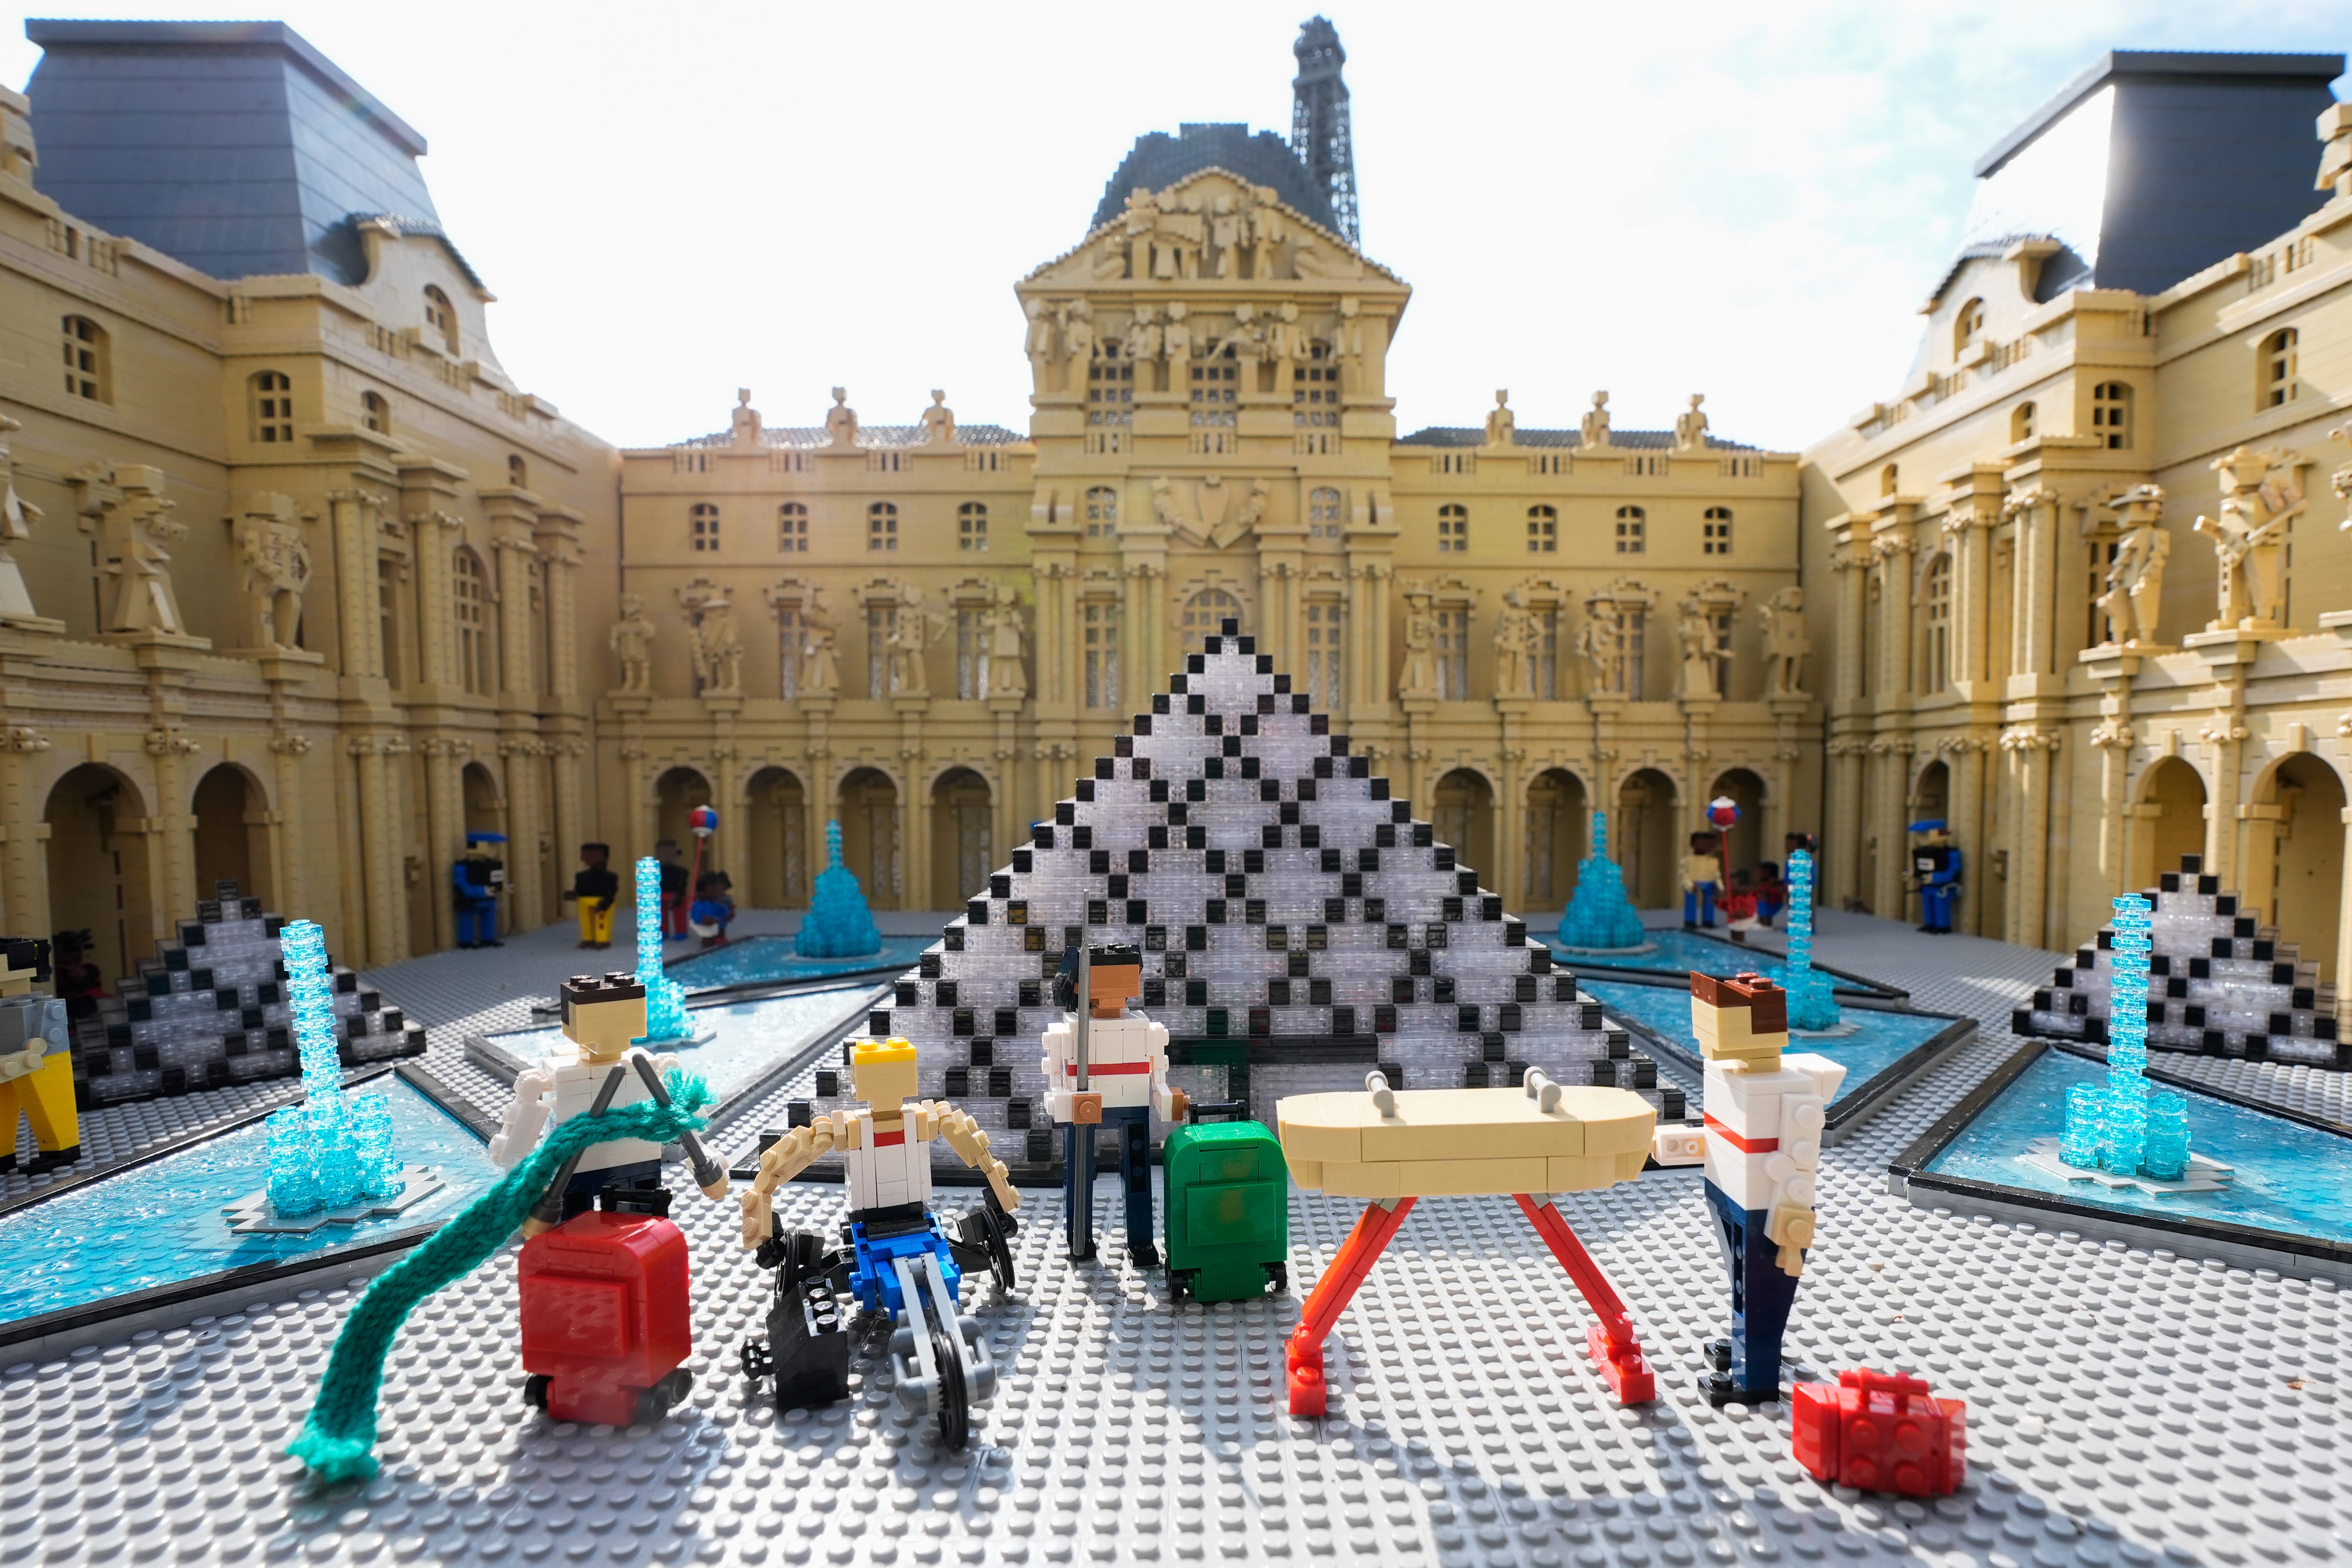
1880	1433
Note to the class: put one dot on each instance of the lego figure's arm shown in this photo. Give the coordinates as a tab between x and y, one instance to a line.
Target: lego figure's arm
31	1017
1793	1169
785	1158
970	1141
1951	869
1060	1041
1169	1104
457	880
525	1118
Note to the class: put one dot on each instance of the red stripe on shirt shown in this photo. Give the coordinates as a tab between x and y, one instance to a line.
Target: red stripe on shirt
1072	1067
1744	1145
884	1140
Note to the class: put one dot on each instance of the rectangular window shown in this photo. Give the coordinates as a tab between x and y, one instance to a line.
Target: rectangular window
1547	655
881	526
387	609
1101	626
1718	624
791	632
972	527
706	526
1715	532
1315	393
1453	655
1323	661
1110	390
971	653
1215	385
1633	649
879	621
792	528
1453	530
1543	531
1632	531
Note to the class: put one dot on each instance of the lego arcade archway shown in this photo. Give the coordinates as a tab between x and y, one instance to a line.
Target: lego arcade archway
97	865
1463	815
1557	828
869	835
775	839
2299	854
1746	846
1931	801
963	843
2168	821
1653	837
233	835
675	793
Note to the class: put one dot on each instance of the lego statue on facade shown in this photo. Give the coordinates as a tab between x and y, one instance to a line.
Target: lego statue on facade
276	561
899	1260
1690	429
1419	678
1007	676
17	516
1702	869
475	884
1936	867
1502	425
1106	1067
939	421
1514	649
36	1079
1764	1119
841	420
632	637
1785	642
2135	579
1593	433
1698	650
2249	537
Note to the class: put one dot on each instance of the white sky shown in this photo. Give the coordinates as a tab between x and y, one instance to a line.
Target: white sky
1744	200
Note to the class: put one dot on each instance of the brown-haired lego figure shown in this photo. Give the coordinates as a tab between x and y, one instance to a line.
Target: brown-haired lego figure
1105	1066
1702	869
1764	1121
36	1065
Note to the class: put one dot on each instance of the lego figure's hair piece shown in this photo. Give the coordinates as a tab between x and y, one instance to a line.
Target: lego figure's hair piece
1768	1004
27	952
1115	955
890	1050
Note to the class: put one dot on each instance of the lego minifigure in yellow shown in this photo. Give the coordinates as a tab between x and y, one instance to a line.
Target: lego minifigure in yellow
36	1061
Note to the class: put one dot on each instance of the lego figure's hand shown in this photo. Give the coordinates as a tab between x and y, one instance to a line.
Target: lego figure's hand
1085	1109
1791	1227
759	1222
525	1118
1674	1144
1001	1199
17	1064
1170	1104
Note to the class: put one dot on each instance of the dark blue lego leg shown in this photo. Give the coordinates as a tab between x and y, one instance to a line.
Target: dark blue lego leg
1761	1298
1135	1174
1938	906
1079	1189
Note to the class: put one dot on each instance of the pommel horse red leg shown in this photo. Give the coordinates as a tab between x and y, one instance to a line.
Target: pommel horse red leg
1610	1340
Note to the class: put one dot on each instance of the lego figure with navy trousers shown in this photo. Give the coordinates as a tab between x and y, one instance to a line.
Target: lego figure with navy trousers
1702	872
1764	1120
1106	1067
475	884
1935	864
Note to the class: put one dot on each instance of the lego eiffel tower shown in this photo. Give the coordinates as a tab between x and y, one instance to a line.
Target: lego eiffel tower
1298	927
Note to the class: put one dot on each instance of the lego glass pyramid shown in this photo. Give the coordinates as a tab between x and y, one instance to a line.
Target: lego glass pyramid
2220	983
1298	926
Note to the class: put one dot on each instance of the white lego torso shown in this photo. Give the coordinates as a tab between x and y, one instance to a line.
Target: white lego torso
885	1169
567	1085
1127	1060
1764	1128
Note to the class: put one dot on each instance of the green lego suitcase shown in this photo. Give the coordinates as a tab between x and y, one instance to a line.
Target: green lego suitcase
1228	1224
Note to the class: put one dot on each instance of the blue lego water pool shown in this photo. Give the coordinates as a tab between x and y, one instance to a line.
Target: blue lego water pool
160	1223
1680	951
2292	1180
751	1038
1881	1039
754	959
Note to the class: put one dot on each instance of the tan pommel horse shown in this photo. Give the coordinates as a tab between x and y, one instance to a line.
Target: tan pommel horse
1393	1146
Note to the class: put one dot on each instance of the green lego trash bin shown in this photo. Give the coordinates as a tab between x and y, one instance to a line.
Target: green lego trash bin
1228	1237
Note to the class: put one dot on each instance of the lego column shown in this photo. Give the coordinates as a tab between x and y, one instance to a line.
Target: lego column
2343	972
445	825
24	859
380	851
1891	553
563	726
172	831
354	515
1846	812
1966	759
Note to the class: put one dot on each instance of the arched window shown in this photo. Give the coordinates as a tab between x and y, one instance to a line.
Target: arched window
1205	614
1632	531
1936	666
972	527
2022	422
441	318
375	412
518	471
473	596
272	398
1454	531
1323	513
2111	407
1102	513
89	373
704	518
1890	479
1968	325
881	526
1714	531
1543	531
791	528
2276	375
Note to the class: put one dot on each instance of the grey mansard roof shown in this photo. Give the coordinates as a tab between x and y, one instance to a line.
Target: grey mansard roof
1619	440
1159	160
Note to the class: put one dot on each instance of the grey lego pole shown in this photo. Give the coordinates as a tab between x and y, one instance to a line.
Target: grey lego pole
1081	1153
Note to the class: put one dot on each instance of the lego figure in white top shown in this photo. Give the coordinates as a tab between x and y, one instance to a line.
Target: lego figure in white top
1106	1067
1764	1120
602	1017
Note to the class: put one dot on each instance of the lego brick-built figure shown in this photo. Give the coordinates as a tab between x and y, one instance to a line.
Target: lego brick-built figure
674	879
36	1066
475	884
593	1067
1701	870
1106	1067
1771	893
901	1260
1740	906
1764	1119
80	984
1936	865
713	908
598	888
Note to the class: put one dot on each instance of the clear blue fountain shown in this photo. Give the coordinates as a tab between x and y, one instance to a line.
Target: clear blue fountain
1600	917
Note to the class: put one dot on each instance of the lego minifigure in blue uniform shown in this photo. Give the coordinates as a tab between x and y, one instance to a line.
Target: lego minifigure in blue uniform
1936	866
475	884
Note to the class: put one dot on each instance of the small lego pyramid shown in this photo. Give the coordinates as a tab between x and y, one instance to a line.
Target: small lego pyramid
1600	918
211	1010
838	924
2220	983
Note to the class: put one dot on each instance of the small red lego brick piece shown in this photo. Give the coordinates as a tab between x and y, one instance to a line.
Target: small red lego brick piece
605	1325
1879	1432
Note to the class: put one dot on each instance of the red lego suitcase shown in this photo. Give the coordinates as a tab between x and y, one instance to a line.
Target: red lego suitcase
1880	1433
605	1321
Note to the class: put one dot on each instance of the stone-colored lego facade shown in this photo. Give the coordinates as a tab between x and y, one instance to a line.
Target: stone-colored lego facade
933	628
2089	594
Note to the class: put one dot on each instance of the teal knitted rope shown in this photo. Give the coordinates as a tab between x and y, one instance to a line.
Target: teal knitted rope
339	1435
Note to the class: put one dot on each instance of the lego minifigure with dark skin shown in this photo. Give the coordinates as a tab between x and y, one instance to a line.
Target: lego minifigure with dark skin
80	984
1120	1080
475	884
595	888
713	908
1702	871
36	1062
1936	867
674	879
